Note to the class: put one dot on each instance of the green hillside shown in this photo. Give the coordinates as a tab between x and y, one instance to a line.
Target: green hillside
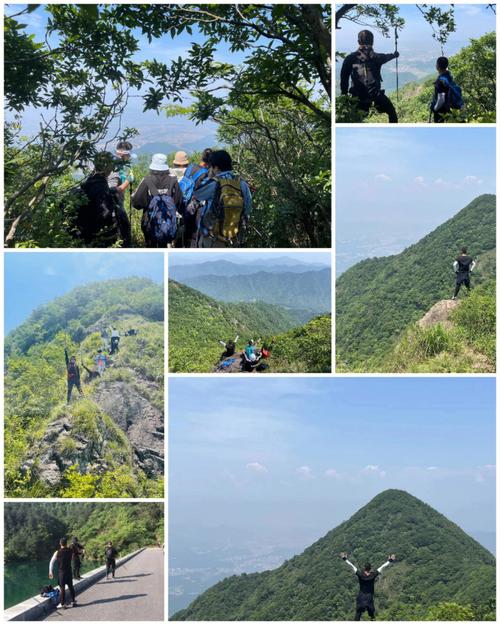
309	290
197	323
379	298
33	530
473	68
440	571
108	442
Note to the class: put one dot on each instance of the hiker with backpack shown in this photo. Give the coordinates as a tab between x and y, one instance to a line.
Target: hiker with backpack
193	177
228	202
115	341
363	68
101	361
78	555
366	578
73	374
447	94
160	198
96	212
119	181
463	267
110	554
63	556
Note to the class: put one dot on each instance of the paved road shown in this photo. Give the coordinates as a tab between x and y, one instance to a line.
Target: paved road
136	593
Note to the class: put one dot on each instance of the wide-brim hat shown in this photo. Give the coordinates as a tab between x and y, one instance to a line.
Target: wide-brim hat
159	162
181	158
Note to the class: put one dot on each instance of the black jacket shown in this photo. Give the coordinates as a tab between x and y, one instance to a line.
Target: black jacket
163	181
363	68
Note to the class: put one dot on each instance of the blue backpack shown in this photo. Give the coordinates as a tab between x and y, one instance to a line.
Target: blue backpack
454	93
187	183
162	216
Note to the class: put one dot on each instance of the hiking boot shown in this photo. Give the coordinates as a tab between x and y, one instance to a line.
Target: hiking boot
454	297
65	607
74	604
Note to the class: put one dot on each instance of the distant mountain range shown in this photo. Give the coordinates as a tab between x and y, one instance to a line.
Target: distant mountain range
297	286
164	147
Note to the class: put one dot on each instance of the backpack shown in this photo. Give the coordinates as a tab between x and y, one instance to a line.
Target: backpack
223	216
455	98
95	208
187	183
365	75
161	223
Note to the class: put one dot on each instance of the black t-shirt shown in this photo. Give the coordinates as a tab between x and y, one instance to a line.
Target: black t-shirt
64	556
111	553
367	582
464	263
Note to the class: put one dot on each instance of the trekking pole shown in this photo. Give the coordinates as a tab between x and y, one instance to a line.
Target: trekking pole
397	64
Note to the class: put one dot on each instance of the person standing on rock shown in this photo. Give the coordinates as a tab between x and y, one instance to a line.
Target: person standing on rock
63	556
110	554
366	579
463	266
115	340
73	371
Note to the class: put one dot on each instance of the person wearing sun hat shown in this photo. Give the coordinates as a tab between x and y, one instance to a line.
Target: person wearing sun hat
161	180
180	163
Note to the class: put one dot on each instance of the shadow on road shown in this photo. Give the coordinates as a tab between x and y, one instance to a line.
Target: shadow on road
117	581
121	598
137	575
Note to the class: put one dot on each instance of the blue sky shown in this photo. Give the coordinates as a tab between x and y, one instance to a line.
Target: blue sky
415	39
195	258
153	127
406	181
310	452
35	278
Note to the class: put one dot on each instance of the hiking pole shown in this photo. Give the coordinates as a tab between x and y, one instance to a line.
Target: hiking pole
397	64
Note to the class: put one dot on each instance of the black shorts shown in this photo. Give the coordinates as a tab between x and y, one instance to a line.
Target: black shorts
365	601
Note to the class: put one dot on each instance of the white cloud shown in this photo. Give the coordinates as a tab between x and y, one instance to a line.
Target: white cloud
432	468
305	472
473	180
420	181
256	467
374	469
439	182
332	473
383	178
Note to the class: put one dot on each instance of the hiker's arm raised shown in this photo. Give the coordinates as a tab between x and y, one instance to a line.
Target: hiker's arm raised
390	560
353	566
66	356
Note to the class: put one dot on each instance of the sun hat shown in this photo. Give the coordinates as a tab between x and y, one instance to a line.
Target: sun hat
159	162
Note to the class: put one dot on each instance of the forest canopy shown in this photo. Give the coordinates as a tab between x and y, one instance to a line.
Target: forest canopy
82	91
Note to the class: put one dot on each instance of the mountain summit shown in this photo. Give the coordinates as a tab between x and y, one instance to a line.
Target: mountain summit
437	562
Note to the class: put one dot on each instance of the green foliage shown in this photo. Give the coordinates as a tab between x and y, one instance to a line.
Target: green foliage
33	530
282	150
35	390
436	563
197	323
449	611
304	350
379	298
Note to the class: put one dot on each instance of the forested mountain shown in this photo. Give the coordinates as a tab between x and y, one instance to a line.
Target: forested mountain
379	298
33	530
441	573
197	323
308	290
108	442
